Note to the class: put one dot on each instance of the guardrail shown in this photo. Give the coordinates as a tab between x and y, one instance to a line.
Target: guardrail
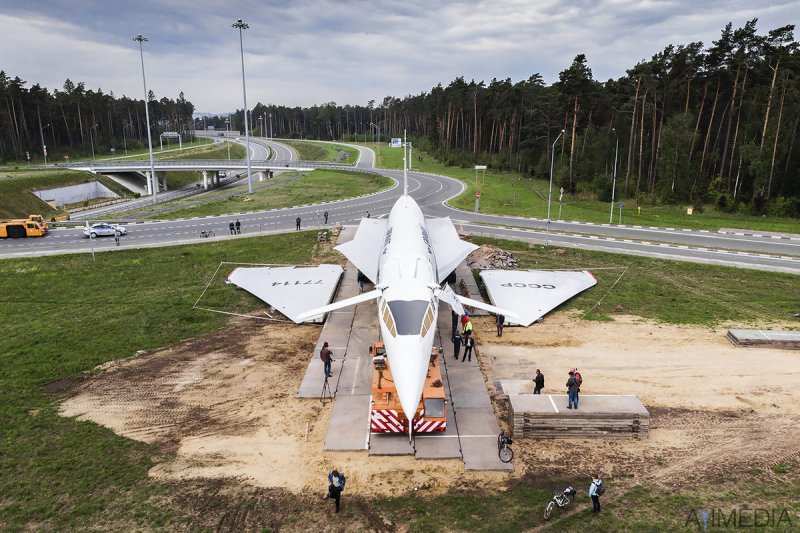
205	164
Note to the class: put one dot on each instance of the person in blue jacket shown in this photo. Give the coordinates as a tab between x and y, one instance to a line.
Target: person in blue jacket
336	481
593	493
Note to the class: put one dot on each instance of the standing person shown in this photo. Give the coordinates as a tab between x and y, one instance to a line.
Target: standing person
297	223
232	228
469	343
116	236
456	345
464	318
454	320
325	214
538	382
572	390
500	321
326	356
580	382
595	493
336	481
238	227
468	328
367	214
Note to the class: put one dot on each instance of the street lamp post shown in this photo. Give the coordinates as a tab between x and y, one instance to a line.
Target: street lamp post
44	147
378	141
228	141
550	191
154	181
124	140
270	126
614	181
262	120
243	26
91	140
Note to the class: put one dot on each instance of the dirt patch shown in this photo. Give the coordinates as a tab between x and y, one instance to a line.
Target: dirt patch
223	406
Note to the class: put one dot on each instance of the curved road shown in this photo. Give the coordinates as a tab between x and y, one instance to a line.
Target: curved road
764	252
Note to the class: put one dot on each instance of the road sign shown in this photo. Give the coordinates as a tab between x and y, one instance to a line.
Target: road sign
621	205
477	195
480	167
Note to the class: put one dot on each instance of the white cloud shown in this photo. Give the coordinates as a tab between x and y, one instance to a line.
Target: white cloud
304	52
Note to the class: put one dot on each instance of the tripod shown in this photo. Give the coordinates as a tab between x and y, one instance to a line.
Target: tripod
326	394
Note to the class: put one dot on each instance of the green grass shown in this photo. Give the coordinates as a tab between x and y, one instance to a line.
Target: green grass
666	291
317	186
16	199
320	151
58	473
498	190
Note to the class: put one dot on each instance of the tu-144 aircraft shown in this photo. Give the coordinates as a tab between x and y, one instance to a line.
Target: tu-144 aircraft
408	258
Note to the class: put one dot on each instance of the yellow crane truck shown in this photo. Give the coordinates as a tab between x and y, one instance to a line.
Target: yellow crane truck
17	229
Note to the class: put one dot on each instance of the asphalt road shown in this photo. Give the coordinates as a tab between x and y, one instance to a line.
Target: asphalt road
764	252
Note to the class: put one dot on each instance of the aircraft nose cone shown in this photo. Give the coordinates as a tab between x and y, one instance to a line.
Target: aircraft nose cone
408	359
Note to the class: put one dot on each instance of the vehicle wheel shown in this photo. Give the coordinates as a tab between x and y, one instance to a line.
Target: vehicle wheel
506	454
93	235
548	509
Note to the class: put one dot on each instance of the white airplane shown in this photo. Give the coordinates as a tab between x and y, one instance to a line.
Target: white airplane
408	258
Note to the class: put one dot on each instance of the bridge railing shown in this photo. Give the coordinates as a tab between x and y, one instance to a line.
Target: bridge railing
204	164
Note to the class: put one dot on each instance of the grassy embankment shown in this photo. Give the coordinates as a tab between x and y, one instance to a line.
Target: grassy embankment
16	199
498	189
319	151
16	185
63	474
282	191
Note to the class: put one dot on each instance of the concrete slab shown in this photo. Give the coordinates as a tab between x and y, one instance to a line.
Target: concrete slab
444	445
364	331
388	444
516	386
767	338
589	404
349	425
467	387
314	379
356	376
338	322
478	430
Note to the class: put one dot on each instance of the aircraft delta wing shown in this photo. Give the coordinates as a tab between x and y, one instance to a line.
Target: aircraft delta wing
534	293
290	290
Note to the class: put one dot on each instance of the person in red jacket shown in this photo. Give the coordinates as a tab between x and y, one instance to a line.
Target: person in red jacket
326	356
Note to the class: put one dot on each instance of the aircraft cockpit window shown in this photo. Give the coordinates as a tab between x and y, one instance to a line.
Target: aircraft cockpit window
408	315
387	319
426	324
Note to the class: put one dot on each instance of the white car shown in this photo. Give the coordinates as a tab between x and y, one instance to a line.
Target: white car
104	230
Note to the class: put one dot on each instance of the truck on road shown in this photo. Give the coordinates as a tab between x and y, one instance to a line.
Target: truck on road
17	229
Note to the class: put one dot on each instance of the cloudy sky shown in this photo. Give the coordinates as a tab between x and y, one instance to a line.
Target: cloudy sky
305	52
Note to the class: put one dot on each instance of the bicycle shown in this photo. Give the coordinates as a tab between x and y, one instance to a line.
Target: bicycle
562	500
206	234
504	447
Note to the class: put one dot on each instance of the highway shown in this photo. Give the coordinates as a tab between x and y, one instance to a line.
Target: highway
763	252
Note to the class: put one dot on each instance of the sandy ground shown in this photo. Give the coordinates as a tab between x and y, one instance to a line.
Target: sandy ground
223	406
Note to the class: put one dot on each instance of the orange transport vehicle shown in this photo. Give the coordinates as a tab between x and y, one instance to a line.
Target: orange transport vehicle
386	413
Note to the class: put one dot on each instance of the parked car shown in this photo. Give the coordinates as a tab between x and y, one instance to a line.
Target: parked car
104	230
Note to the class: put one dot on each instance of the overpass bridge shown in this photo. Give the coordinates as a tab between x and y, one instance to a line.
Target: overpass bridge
210	168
